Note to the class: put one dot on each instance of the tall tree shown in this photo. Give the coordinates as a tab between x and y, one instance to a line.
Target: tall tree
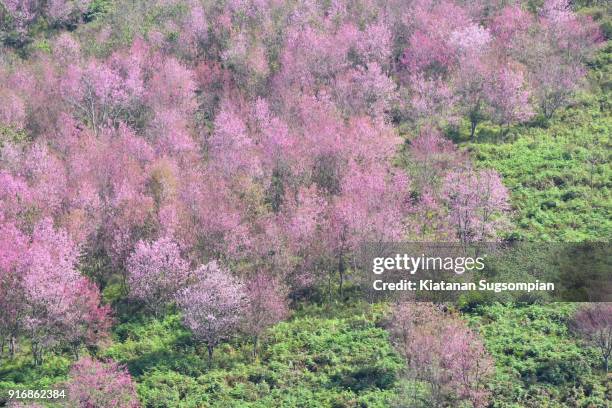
440	350
266	306
212	307
594	323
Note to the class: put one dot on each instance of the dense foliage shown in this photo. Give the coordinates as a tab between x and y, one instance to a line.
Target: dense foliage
184	186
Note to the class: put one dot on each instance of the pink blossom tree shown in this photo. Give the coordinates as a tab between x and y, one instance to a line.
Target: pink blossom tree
440	350
432	156
49	283
24	14
555	52
102	384
13	246
86	322
103	92
508	97
365	91
556	84
428	49
62	306
476	201
468	362
266	306
469	84
594	323
213	305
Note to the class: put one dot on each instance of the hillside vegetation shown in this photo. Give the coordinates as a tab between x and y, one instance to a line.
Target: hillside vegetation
185	186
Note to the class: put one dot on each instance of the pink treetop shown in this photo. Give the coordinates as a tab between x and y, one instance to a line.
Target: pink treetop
23	12
66	49
52	257
63	11
105	199
556	83
303	218
360	215
469	81
426	52
209	209
157	272
558	11
431	149
101	384
131	65
470	39
195	25
468	362
277	143
15	194
47	176
431	157
311	58
231	145
429	49
577	38
171	85
101	91
13	244
365	91
375	43
512	20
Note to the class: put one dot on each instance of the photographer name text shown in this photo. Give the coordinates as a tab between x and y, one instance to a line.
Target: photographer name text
429	285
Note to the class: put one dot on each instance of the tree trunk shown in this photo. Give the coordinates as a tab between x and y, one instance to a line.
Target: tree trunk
255	340
329	287
504	129
37	354
473	124
341	275
210	355
12	346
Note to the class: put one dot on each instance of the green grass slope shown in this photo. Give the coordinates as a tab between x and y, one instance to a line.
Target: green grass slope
314	360
559	174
